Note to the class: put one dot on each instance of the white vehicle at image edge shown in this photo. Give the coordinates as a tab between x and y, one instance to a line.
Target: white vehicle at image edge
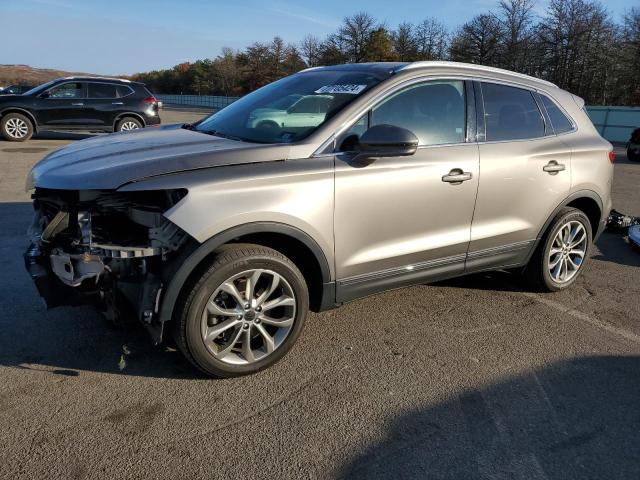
321	188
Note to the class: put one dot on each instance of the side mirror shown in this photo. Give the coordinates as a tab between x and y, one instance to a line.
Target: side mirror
45	95
387	141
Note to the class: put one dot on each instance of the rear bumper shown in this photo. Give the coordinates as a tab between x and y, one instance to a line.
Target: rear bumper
150	121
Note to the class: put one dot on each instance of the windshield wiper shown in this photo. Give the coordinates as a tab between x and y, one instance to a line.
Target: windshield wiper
223	135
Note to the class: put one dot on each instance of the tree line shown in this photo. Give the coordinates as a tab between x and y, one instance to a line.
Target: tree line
575	44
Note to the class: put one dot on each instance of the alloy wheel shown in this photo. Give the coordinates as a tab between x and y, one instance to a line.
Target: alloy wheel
248	316
126	126
17	128
567	251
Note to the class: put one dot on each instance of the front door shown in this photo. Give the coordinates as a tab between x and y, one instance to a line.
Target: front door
400	220
64	106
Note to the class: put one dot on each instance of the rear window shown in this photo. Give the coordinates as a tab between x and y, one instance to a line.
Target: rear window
559	120
511	113
102	90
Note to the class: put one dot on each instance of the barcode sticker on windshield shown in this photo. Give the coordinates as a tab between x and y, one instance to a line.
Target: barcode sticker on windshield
351	89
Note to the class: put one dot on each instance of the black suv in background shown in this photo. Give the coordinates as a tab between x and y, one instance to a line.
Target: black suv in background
78	103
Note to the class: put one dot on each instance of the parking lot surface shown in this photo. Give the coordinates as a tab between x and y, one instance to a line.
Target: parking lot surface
471	378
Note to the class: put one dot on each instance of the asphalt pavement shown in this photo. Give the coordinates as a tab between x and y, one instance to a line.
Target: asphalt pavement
471	378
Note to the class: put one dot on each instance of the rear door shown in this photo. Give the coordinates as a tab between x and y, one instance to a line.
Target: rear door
63	106
104	102
525	173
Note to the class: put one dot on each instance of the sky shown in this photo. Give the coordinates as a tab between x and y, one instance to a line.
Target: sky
128	36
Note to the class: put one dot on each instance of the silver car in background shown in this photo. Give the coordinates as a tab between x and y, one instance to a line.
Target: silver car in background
227	231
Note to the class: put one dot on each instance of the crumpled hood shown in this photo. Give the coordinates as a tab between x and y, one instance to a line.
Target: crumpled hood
109	161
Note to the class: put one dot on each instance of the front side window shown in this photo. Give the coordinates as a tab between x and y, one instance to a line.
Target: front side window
511	113
433	111
101	90
291	108
559	121
67	90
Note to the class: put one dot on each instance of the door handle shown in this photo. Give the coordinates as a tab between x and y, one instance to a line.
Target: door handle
117	103
77	104
457	176
553	167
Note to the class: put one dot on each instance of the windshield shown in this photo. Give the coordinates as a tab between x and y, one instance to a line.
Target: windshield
40	88
291	108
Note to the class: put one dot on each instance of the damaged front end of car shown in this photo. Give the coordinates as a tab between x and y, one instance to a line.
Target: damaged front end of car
107	248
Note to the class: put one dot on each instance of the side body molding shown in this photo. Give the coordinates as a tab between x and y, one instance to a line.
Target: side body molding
196	256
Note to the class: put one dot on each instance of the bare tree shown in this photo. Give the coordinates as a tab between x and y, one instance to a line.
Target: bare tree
431	38
354	34
404	43
516	19
311	50
478	41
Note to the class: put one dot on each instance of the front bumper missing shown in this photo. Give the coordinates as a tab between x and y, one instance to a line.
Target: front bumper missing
58	276
52	290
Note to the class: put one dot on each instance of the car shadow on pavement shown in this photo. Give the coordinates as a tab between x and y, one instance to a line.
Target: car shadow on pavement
67	340
615	248
576	419
46	135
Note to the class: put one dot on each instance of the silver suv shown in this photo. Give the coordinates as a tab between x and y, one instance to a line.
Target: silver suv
229	230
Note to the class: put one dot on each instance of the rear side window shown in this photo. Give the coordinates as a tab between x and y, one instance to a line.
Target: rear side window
433	111
559	120
102	90
511	113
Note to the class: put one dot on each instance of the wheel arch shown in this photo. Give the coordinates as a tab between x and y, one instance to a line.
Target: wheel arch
292	242
23	112
120	116
587	201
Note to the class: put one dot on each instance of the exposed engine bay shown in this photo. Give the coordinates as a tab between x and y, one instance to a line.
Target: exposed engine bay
104	247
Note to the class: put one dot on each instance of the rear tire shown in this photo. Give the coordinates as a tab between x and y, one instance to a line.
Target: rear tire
128	124
221	311
632	155
559	257
16	127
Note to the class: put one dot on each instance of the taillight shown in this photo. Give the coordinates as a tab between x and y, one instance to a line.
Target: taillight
150	99
612	156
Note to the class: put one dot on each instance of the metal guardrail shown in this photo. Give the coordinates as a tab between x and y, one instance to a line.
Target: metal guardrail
615	123
210	101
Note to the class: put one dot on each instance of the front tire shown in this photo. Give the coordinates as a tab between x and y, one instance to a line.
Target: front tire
244	313
127	124
558	260
16	127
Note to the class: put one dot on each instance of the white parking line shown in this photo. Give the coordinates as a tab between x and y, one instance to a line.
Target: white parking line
584	317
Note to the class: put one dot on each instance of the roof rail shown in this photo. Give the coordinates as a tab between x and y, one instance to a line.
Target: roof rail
96	77
473	66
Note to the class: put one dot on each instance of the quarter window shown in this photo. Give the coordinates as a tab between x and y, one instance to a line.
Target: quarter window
511	113
123	90
66	90
433	111
102	90
559	120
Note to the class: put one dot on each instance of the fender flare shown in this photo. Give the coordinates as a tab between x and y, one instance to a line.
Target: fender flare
574	196
24	111
195	257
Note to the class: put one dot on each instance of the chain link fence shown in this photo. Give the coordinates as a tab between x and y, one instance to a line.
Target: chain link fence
214	102
615	123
